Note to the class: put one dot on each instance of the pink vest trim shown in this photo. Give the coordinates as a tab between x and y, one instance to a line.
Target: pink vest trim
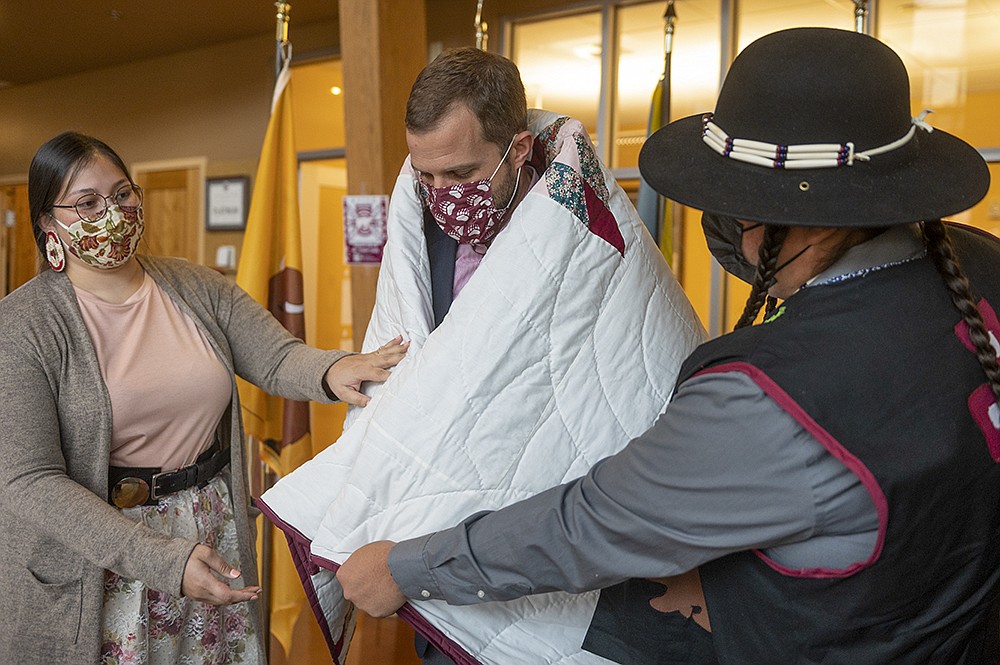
981	401
792	408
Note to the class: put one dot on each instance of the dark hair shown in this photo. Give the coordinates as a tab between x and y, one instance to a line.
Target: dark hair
942	253
55	164
765	277
488	84
770	247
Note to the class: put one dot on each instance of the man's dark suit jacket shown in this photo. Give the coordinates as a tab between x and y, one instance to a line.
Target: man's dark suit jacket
441	251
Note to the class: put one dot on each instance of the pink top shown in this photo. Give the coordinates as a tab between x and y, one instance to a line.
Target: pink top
466	261
168	388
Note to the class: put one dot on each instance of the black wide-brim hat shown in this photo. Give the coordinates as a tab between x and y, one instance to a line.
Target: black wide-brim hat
817	86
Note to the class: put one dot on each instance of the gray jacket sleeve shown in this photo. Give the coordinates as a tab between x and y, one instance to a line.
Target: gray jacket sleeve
724	469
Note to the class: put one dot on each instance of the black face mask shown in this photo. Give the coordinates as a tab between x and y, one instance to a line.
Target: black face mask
725	241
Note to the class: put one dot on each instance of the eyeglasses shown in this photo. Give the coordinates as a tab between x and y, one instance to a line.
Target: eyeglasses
91	207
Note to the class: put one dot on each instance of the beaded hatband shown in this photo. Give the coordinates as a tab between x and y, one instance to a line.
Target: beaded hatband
805	156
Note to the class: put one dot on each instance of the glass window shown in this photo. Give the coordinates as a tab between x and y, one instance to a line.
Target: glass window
756	18
560	63
949	47
694	69
952	54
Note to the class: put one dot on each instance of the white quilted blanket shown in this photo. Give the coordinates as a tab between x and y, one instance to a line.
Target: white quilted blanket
564	344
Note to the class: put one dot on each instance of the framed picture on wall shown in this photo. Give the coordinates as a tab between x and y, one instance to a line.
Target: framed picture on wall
226	203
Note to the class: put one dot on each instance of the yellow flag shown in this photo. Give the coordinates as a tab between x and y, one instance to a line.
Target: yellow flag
270	270
655	211
665	236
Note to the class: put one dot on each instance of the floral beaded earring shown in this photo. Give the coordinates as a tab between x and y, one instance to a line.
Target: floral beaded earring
54	252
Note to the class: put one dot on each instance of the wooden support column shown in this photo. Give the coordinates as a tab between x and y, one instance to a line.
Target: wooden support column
383	48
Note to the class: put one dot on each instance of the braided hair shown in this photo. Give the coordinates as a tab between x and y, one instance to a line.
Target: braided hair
942	253
770	247
770	307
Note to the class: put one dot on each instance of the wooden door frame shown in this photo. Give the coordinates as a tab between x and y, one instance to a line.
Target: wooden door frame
6	233
7	181
197	164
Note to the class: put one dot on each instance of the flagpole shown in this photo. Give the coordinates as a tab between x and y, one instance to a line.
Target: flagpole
669	21
649	204
268	476
667	208
281	35
861	16
481	35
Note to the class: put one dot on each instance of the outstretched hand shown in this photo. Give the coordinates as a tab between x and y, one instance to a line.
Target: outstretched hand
344	378
367	581
201	582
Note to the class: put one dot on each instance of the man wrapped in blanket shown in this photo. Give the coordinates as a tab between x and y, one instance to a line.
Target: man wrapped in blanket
546	330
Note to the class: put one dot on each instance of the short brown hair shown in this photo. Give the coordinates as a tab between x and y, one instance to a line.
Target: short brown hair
488	84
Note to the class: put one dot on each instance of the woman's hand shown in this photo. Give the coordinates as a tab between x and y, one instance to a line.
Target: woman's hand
202	584
345	376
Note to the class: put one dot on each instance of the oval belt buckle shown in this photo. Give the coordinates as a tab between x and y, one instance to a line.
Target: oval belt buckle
130	492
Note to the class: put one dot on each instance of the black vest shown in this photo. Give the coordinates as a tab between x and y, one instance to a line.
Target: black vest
873	366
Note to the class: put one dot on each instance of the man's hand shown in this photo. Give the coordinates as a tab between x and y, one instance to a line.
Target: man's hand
200	581
345	376
367	581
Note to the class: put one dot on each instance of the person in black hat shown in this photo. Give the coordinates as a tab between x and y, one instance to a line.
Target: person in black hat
831	473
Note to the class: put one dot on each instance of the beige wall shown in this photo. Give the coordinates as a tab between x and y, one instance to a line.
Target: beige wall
212	102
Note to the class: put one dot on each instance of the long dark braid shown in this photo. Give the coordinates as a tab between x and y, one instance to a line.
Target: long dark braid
770	307
770	246
942	253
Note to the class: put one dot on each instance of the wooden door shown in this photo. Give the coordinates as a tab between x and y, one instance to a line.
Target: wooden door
18	253
7	218
172	204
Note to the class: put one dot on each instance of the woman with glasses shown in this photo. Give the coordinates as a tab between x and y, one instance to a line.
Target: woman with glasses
124	501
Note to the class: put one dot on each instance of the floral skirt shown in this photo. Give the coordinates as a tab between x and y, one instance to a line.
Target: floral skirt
145	626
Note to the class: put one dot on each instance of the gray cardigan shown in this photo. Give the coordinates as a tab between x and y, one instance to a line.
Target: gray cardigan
57	532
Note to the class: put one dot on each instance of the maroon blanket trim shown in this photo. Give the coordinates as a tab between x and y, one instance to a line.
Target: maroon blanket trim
419	623
298	544
792	408
308	564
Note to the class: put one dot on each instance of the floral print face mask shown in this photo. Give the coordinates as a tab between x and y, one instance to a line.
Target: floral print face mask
108	242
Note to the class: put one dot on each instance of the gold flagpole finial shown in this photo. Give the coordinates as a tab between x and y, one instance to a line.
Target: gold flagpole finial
281	33
284	8
481	28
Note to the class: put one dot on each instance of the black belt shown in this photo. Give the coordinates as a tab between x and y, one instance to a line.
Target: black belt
130	486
